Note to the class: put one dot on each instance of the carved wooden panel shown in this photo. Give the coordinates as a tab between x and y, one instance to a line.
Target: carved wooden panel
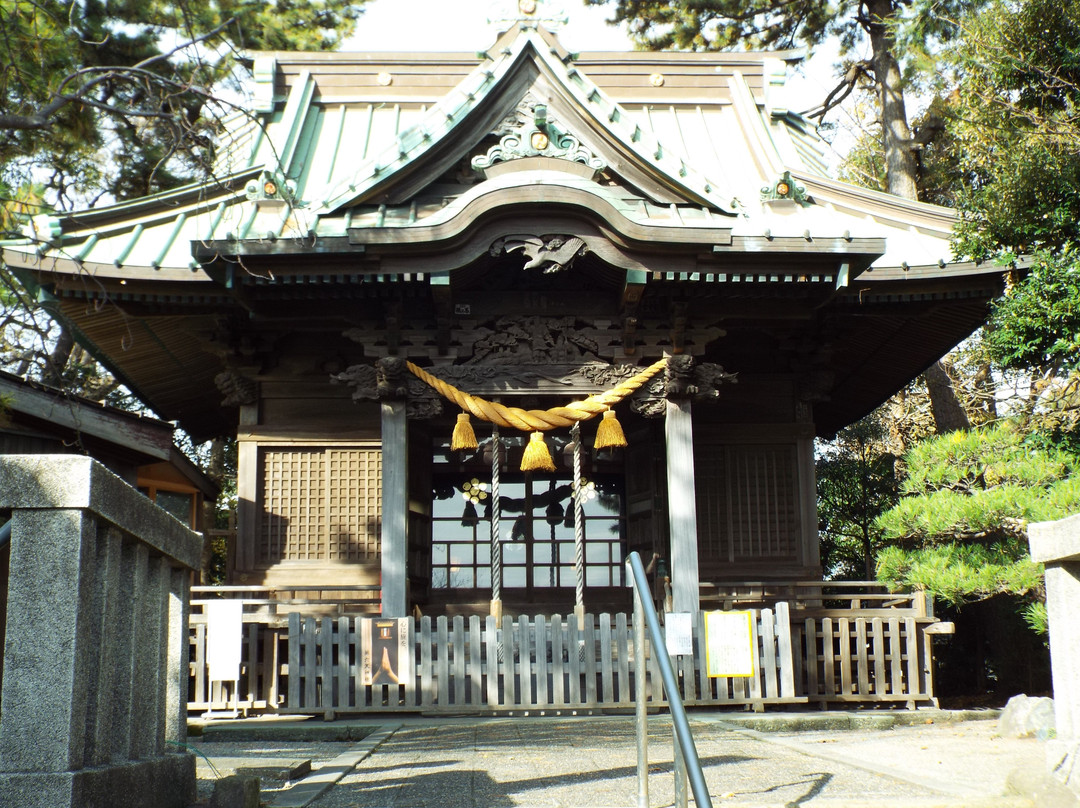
748	503
320	504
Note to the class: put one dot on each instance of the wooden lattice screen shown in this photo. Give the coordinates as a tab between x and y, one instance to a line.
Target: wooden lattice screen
748	502
320	504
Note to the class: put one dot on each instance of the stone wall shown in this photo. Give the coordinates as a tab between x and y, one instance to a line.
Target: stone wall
94	689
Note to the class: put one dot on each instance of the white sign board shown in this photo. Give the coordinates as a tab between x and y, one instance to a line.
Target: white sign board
386	657
729	643
224	630
678	633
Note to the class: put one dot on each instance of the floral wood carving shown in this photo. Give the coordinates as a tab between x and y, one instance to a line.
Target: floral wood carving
532	341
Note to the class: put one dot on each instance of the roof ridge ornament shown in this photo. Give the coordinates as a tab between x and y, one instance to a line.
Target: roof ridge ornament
530	131
786	189
528	12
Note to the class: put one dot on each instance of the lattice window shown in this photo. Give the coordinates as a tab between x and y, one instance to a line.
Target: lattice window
320	504
748	502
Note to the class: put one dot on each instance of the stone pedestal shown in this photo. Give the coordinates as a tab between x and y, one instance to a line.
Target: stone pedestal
95	655
1057	545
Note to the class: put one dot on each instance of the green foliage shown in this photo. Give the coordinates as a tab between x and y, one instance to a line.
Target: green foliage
856	482
1037	618
984	485
1015	118
1037	323
982	460
124	98
724	24
959	573
960	529
762	24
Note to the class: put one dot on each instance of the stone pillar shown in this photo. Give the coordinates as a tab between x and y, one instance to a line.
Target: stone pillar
1057	545
395	509
682	505
92	649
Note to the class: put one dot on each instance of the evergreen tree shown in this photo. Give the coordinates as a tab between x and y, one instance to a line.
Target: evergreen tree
126	98
112	101
856	483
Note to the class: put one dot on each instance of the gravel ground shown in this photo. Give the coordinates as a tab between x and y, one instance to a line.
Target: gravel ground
220	759
497	763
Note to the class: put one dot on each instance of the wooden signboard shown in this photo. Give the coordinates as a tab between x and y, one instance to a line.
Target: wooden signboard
729	643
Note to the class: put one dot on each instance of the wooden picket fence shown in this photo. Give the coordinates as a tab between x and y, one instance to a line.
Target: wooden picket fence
828	649
528	665
847	660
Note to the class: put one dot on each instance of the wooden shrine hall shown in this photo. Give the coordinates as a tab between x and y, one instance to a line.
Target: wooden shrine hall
531	245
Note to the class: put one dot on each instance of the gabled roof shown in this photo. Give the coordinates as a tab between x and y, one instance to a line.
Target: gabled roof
361	172
117	438
351	141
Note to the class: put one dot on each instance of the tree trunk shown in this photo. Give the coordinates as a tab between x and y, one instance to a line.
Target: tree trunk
949	416
53	374
901	173
901	168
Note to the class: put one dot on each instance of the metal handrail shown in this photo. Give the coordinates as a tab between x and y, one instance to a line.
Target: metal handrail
667	673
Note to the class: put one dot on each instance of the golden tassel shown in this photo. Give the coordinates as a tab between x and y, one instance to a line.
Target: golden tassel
537	455
609	432
463	437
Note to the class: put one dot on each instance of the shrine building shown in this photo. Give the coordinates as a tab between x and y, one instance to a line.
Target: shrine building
527	244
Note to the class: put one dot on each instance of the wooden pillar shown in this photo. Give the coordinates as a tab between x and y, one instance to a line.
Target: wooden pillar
682	505
809	551
247	491
395	509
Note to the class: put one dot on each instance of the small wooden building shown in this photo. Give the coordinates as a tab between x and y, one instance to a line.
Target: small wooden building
531	227
38	419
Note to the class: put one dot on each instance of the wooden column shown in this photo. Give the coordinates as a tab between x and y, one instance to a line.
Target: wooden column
395	509
247	490
682	505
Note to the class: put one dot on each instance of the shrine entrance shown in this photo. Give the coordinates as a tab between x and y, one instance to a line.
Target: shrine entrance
453	563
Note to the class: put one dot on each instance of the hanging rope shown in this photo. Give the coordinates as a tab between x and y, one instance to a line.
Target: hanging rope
538	420
496	519
579	525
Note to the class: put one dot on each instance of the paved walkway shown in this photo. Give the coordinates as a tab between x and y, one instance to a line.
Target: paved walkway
770	760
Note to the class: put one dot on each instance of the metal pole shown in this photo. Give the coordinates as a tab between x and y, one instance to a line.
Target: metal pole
640	706
678	714
680	776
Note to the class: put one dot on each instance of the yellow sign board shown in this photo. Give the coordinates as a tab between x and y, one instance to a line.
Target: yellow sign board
729	643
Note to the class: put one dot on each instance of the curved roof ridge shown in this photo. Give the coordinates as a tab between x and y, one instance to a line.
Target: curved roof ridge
444	117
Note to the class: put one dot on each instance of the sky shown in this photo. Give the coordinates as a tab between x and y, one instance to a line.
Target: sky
461	25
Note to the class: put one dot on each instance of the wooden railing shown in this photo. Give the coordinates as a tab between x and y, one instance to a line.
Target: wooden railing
855	641
820	598
266	613
849	643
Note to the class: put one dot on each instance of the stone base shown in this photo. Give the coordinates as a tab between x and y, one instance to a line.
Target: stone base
164	782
